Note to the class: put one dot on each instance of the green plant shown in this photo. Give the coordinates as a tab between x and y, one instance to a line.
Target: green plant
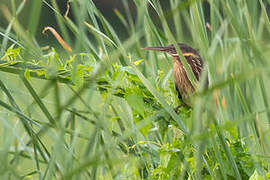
104	108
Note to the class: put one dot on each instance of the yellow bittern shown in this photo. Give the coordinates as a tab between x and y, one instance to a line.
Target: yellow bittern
183	84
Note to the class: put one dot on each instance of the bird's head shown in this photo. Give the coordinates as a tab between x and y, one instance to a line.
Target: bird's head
186	50
168	49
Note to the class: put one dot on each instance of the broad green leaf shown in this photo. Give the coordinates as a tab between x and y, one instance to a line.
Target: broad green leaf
136	102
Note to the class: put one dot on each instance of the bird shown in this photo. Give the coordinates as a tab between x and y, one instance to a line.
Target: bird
183	84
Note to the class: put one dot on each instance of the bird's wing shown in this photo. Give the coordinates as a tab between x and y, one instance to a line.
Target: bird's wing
196	64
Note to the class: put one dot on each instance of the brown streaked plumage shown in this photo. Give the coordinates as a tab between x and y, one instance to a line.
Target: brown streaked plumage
182	83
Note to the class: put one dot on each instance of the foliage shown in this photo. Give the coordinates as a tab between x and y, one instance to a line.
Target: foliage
104	109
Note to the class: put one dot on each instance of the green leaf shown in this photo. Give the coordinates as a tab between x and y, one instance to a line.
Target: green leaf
11	54
136	103
77	75
27	73
256	176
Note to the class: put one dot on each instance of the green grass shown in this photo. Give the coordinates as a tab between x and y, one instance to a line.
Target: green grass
105	110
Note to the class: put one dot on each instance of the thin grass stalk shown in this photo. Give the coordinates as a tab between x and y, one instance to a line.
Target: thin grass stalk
34	17
61	22
38	100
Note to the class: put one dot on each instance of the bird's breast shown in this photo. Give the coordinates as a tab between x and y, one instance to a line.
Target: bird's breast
181	79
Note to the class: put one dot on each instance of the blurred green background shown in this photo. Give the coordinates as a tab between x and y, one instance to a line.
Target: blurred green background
105	110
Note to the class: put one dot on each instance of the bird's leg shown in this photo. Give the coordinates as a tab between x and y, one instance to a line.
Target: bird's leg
176	109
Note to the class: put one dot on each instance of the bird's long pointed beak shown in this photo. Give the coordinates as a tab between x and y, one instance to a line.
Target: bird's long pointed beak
164	49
